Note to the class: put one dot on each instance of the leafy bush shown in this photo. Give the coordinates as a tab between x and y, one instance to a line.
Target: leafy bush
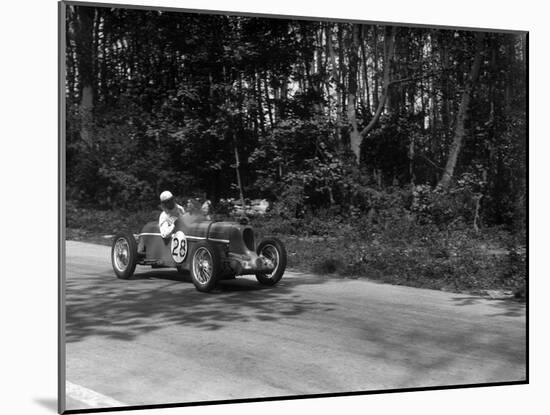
328	266
391	248
448	207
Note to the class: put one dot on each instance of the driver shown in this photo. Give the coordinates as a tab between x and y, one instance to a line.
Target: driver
171	212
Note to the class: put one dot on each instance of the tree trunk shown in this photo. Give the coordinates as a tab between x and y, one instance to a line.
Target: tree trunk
239	183
70	54
251	113
84	47
336	79
342	66
365	69
354	137
327	80
318	71
103	90
435	139
389	57
260	104
283	92
268	101
375	69
411	161
95	61
462	115
445	89
277	101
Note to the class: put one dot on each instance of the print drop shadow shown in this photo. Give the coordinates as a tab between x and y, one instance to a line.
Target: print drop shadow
48	403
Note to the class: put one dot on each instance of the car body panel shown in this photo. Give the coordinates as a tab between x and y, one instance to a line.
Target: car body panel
233	241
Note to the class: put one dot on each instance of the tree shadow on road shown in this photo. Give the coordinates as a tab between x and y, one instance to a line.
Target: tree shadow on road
471	352
502	307
101	305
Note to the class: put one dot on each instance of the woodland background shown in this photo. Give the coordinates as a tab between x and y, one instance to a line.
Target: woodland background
395	153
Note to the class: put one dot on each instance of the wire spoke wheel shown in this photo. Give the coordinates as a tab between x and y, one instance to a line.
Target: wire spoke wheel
271	254
205	266
202	265
124	255
121	254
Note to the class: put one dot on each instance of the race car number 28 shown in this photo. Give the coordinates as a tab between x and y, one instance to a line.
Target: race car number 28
179	246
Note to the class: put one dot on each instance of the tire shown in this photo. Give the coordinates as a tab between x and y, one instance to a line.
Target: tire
205	266
274	250
124	255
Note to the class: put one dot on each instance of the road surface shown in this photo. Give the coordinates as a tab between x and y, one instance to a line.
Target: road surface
154	339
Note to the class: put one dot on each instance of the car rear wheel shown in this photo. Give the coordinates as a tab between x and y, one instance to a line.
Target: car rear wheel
273	250
124	255
205	266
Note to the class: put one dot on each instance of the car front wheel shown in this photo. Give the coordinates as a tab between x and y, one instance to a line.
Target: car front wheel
205	266
124	255
274	251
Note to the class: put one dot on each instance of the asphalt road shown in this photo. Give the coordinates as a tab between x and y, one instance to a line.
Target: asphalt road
155	339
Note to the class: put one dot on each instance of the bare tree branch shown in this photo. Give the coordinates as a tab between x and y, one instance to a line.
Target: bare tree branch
387	64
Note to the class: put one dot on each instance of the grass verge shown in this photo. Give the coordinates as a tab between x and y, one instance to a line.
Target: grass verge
398	252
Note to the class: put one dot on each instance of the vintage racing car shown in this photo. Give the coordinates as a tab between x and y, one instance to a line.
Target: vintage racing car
209	250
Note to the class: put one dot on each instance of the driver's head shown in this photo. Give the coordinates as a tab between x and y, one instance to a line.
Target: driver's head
167	200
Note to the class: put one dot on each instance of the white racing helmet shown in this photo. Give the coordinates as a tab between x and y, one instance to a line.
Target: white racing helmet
166	195
167	199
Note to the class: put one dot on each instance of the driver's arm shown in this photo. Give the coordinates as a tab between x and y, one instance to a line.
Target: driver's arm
166	225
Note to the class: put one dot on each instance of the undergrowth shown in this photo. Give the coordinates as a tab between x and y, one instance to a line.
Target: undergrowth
398	251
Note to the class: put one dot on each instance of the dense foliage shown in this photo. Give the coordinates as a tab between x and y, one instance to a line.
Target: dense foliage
392	249
359	120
